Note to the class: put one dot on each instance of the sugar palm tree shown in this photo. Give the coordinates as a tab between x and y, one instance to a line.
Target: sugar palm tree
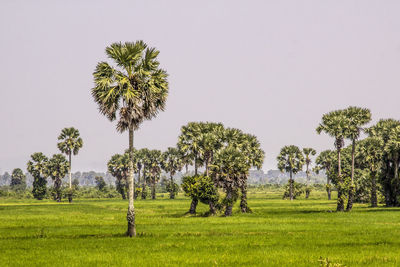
136	88
324	161
357	118
393	150
290	160
189	143
171	164
70	144
56	168
37	168
154	165
308	152
336	124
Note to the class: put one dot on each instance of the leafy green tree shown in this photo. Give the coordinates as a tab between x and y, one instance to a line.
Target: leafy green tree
325	161
56	168
18	180
308	152
37	168
70	144
136	87
201	188
172	163
357	118
100	183
290	160
336	124
384	130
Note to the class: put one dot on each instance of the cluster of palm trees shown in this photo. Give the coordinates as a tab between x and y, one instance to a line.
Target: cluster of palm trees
56	167
227	154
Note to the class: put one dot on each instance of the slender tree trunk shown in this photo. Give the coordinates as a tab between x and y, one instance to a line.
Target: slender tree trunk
207	167
195	165
374	199
172	187
308	180
193	206
243	200
229	206
340	200
328	187
144	193
131	182
57	187
70	173
351	189
291	186
153	188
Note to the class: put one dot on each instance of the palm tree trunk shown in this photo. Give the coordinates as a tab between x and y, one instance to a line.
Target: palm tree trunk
144	193
131	209
172	187
153	188
243	200
207	166
308	180
291	186
328	187
374	199
351	189
70	174
229	206
340	200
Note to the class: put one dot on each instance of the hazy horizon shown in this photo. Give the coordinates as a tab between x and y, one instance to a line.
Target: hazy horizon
270	68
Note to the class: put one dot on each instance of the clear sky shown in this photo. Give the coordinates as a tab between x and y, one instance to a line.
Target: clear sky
271	68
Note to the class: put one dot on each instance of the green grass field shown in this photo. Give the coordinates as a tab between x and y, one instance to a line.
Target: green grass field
278	232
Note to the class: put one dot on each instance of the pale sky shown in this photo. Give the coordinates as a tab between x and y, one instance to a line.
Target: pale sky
270	68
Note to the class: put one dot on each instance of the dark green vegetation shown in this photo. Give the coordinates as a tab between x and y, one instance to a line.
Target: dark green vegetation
277	232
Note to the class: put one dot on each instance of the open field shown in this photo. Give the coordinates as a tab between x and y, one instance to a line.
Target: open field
278	232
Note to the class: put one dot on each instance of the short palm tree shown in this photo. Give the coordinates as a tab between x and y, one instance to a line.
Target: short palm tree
37	168
324	161
57	167
290	160
357	118
171	163
308	152
336	124
70	144
136	88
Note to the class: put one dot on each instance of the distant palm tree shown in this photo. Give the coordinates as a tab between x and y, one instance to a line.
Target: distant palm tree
137	88
37	168
357	118
291	160
57	167
70	144
308	152
336	124
324	161
172	163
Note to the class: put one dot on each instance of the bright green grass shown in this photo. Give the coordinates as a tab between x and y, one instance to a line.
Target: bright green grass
278	232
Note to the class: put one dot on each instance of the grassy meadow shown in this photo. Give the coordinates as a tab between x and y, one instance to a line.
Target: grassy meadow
278	232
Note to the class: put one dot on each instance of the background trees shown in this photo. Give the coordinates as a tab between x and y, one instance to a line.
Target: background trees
137	88
171	163
18	180
291	160
70	144
56	168
308	152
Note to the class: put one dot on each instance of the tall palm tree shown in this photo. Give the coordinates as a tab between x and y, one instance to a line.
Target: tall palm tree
70	144
393	150
308	152
56	168
336	124
324	161
137	88
291	160
172	163
357	118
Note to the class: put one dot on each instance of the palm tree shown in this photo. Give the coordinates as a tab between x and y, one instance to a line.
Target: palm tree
37	168
291	160
308	152
370	151
336	124
393	150
383	130
324	161
18	180
154	165
189	143
57	167
137	88
171	163
70	144
118	166
357	118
